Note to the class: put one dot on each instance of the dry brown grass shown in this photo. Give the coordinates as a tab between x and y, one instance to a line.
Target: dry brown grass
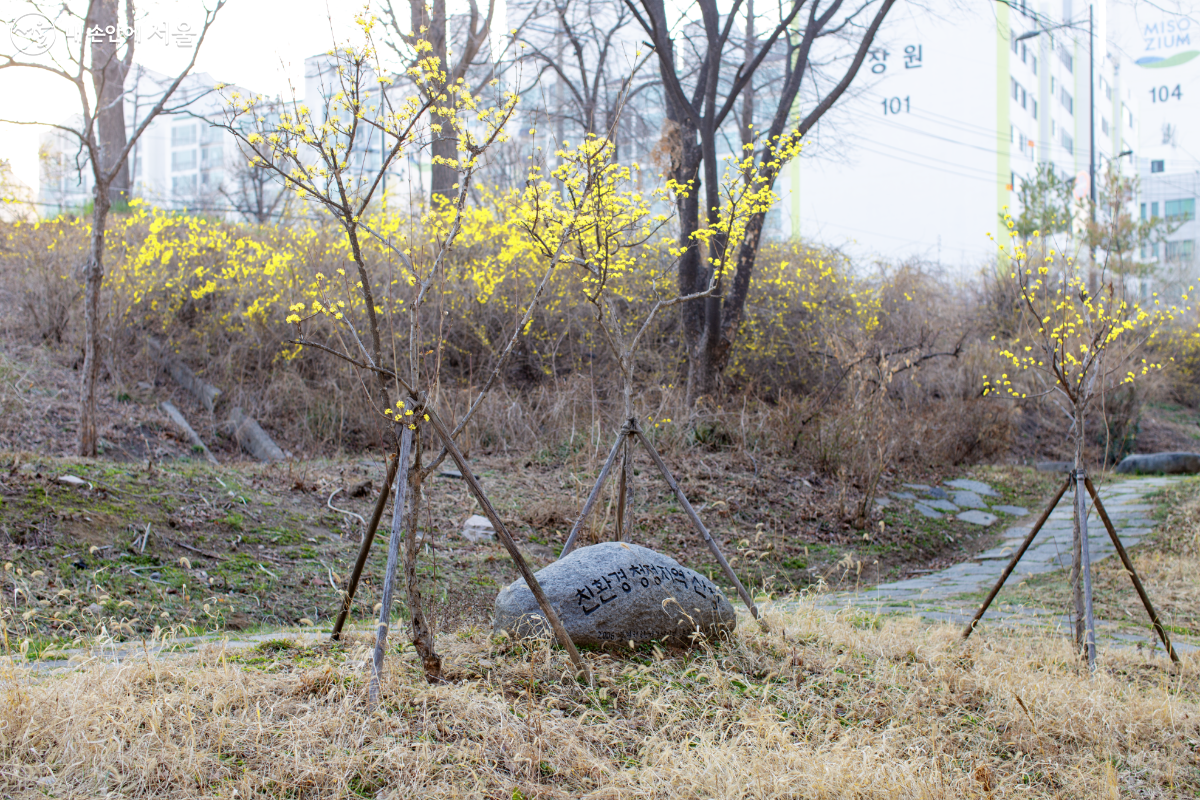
1167	562
824	706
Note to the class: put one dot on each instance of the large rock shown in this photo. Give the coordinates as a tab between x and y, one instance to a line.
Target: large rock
1168	463
615	593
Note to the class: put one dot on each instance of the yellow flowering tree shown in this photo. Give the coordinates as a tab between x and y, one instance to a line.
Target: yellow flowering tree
1072	345
396	267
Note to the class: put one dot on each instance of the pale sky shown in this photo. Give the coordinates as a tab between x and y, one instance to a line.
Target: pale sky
258	44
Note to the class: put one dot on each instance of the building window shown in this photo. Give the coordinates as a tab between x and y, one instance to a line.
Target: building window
1180	210
1035	109
1013	81
1143	212
183	160
1104	126
1156	166
1067	101
1068	143
1179	251
1154	210
183	135
1150	250
1066	59
210	156
1014	41
1035	65
183	185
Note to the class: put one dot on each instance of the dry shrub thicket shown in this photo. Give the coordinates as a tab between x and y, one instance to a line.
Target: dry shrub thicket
856	372
826	705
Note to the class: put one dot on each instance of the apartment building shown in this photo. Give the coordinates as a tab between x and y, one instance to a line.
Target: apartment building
1165	76
182	160
949	113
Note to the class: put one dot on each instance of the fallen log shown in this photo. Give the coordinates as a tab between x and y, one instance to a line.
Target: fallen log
182	423
252	438
204	392
249	434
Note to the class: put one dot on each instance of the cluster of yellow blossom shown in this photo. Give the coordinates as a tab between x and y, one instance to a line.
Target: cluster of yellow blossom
1080	326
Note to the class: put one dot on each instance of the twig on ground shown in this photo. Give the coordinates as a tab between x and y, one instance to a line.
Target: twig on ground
195	550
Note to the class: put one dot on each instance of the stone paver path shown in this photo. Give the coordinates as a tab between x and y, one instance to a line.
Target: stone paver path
954	594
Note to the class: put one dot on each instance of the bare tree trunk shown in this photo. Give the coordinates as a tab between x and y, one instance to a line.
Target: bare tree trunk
108	79
748	92
94	277
702	375
422	633
445	144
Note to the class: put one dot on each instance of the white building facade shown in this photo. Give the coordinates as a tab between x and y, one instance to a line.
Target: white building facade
949	113
1163	43
182	161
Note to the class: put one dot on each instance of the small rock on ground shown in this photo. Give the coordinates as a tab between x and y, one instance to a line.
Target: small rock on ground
478	529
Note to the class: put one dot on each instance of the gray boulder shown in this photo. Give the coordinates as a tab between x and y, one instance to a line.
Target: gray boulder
1167	463
616	593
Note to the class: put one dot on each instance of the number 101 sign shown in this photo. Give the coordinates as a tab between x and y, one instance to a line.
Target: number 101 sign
895	105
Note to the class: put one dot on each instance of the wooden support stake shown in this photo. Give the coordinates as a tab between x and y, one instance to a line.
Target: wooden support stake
393	563
1037	526
365	549
1085	564
506	539
595	495
695	518
1133	576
